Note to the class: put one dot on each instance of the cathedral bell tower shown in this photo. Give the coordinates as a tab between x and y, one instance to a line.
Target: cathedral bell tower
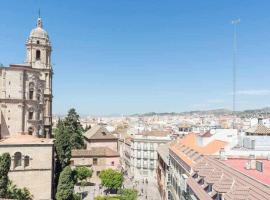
38	56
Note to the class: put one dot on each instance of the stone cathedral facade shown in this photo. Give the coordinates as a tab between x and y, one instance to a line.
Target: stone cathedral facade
26	117
26	89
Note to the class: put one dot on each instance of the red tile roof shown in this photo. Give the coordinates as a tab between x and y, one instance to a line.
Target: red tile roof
240	163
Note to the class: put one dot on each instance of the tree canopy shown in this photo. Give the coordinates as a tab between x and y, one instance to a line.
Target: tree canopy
112	179
128	194
5	161
62	145
74	127
65	185
18	193
82	173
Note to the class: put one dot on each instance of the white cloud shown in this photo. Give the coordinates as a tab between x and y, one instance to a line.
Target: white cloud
253	92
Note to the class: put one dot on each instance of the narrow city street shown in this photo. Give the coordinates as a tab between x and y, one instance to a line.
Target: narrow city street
146	190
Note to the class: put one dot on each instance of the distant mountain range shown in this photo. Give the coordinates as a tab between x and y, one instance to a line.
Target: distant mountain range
217	112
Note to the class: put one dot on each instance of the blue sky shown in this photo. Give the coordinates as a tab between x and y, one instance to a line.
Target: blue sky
125	56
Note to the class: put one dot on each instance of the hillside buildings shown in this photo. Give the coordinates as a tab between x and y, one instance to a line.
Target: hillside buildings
26	116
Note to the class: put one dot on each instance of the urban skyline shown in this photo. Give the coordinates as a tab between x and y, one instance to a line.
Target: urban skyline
139	57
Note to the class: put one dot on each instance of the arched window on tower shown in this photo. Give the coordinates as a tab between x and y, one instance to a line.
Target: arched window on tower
17	159
38	55
31	90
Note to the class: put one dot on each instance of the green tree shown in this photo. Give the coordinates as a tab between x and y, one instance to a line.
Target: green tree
63	150
82	173
128	194
72	123
112	179
107	198
5	161
66	185
16	193
62	145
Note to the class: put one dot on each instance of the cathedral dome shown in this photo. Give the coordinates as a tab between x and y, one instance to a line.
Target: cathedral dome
39	32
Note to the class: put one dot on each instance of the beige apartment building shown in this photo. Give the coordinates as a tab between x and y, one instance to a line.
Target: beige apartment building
26	117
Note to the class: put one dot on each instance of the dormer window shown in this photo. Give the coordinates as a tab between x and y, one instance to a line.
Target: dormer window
195	175
38	55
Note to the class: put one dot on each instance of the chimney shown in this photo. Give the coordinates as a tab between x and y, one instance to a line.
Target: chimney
222	155
252	161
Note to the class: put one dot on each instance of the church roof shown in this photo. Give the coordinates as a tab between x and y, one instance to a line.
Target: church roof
260	129
39	32
99	132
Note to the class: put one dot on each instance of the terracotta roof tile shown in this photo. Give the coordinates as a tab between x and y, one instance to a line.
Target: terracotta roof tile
227	180
259	129
188	150
99	132
95	152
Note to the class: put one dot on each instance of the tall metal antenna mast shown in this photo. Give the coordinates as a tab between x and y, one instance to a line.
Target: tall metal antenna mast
234	23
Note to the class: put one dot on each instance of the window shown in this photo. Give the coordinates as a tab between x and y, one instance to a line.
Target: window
30	130
152	164
30	115
219	196
209	188
95	161
37	41
17	159
31	90
152	155
145	146
26	161
112	163
38	55
138	163
31	94
38	97
98	172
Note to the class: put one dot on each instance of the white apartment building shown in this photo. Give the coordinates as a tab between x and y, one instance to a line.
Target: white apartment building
143	161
